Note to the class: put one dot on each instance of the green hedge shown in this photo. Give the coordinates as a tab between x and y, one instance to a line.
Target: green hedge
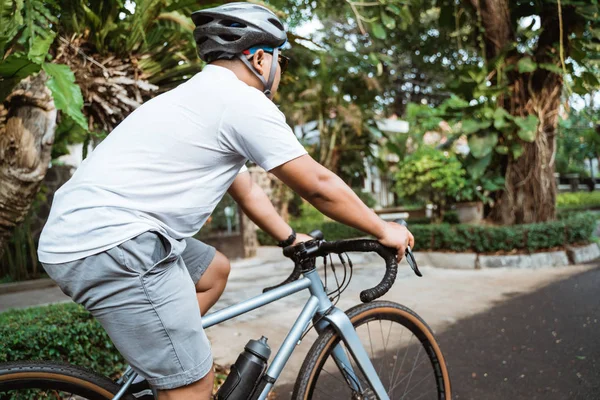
578	200
65	332
571	228
331	230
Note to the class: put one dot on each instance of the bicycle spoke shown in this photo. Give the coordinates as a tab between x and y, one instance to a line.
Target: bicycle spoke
370	341
384	350
412	371
396	358
405	353
426	376
407	366
406	377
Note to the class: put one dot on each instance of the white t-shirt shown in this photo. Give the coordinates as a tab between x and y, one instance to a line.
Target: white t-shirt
166	166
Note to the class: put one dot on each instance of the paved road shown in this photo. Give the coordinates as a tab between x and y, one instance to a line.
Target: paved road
543	345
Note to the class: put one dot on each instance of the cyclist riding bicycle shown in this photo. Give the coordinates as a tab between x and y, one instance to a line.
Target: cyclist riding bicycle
119	236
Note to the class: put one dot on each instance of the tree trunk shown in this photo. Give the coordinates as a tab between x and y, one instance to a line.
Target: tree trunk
26	136
530	191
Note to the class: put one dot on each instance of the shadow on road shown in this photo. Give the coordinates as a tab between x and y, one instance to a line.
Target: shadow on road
542	345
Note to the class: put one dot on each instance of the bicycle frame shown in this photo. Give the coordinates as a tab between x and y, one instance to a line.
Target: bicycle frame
318	305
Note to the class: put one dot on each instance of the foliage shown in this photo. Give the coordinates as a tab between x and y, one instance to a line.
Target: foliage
366	197
310	219
218	221
25	40
431	175
578	200
64	332
19	258
109	52
503	79
577	140
574	229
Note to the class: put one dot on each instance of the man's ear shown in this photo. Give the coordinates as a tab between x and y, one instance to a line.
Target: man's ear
258	61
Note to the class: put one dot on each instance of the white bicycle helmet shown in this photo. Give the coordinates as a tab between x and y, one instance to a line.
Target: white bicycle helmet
225	32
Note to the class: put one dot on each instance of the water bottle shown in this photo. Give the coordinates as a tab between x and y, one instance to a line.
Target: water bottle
246	372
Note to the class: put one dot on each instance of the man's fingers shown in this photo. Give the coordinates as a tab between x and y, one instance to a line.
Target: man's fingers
401	252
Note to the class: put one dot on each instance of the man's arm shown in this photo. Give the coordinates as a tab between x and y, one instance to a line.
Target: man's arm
256	205
330	195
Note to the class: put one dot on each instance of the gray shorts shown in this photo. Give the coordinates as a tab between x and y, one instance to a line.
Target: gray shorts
143	293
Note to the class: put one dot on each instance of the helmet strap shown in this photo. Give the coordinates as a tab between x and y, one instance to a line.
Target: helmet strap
267	85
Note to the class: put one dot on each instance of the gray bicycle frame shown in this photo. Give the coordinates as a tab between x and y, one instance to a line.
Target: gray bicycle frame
318	305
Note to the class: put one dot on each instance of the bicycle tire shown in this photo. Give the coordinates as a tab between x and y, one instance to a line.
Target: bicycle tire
376	311
48	375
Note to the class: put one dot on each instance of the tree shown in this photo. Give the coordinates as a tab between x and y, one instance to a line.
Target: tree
94	62
507	97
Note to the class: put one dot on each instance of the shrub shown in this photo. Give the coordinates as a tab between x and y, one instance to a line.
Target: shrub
450	217
574	228
578	200
65	332
430	175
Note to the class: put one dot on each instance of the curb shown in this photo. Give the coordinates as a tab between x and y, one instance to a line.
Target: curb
14	287
569	256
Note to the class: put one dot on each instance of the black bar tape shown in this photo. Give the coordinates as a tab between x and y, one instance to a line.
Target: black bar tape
387	253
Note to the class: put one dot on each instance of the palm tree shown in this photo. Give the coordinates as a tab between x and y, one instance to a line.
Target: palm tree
97	61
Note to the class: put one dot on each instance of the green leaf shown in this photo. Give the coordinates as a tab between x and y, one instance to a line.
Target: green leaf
477	167
470	126
502	149
527	127
389	22
66	93
551	67
373	59
590	79
13	70
500	118
39	50
517	150
526	64
482	145
378	30
456	102
11	20
395	9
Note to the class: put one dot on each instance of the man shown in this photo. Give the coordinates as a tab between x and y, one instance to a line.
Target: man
118	238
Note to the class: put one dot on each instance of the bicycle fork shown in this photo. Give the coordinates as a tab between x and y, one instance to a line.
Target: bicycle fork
342	324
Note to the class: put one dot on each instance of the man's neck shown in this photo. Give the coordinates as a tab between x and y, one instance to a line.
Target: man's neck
241	71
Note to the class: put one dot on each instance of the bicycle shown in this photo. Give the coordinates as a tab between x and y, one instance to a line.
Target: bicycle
337	366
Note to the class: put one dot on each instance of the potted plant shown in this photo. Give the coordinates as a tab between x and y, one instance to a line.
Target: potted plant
476	194
432	176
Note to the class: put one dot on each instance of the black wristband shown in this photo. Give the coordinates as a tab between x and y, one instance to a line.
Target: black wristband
290	240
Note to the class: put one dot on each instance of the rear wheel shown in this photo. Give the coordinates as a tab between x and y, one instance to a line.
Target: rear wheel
51	380
401	347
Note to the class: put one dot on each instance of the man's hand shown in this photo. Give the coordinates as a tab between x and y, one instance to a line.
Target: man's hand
301	237
397	236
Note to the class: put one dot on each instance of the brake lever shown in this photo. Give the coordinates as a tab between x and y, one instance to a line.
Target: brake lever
410	258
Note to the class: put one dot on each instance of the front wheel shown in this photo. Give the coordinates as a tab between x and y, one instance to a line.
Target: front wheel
50	380
401	347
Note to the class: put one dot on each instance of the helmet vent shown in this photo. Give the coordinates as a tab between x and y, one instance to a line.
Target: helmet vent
201	40
276	23
203	19
231	23
230	38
